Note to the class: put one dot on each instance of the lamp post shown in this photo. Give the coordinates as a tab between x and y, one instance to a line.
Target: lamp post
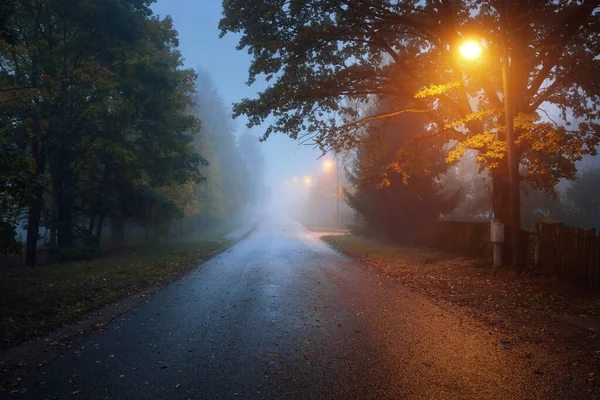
471	50
337	192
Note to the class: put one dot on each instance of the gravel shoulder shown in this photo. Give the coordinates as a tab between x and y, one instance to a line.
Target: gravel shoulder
552	325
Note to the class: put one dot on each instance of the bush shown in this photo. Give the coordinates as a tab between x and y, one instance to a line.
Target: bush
8	239
86	246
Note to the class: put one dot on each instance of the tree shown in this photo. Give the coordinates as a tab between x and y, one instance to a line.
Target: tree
475	186
317	53
253	161
220	194
476	199
582	200
95	102
394	177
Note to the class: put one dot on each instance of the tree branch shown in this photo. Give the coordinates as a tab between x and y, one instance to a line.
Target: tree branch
562	34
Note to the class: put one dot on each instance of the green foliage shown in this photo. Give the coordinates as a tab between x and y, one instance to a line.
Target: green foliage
85	247
95	117
8	241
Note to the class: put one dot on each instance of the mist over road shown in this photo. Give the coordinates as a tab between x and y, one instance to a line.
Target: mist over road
283	316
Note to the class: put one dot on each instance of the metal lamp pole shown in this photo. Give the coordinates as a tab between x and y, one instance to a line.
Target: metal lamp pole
337	192
514	201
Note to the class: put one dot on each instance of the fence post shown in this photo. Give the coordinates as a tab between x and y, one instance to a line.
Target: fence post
536	251
497	238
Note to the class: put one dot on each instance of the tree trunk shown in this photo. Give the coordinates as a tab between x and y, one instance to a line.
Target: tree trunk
33	227
501	204
54	214
500	194
117	231
36	204
99	226
62	173
91	225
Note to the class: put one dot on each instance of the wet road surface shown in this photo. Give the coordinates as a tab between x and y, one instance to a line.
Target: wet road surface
283	316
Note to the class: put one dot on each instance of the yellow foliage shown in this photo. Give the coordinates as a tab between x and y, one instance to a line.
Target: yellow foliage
436	90
476	116
490	149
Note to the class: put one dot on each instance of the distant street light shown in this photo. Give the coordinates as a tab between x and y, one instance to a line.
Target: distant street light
472	50
307	180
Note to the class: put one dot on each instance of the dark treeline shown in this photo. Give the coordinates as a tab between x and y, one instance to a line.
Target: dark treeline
102	126
395	176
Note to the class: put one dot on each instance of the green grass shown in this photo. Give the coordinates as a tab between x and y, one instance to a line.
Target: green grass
33	301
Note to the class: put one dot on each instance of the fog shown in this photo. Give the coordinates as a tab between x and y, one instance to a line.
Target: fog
288	163
227	69
257	198
183	168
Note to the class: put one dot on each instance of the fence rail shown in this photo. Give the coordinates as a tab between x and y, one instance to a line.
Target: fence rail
570	254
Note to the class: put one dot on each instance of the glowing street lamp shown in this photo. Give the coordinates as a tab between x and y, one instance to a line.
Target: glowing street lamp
327	165
307	180
472	50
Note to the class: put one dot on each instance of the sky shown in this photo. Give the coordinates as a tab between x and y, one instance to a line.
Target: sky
197	24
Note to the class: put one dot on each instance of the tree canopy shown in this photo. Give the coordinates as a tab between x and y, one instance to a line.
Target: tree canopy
316	54
396	185
94	118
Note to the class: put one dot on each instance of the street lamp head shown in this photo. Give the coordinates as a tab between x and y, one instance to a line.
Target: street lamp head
327	165
470	49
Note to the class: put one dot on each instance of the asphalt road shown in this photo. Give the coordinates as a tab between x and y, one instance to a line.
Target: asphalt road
283	316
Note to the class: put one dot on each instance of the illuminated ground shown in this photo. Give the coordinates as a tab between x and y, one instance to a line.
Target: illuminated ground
281	315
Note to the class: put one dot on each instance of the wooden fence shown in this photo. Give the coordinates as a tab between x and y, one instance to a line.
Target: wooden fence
468	238
570	254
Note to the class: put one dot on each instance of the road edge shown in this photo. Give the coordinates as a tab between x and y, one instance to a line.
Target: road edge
28	356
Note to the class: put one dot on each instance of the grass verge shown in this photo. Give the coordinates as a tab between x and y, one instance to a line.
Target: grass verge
34	301
528	308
